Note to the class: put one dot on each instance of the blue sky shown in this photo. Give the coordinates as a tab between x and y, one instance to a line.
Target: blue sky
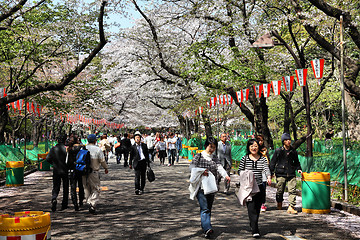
125	22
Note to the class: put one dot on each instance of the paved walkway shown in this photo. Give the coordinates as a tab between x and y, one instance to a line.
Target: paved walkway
163	212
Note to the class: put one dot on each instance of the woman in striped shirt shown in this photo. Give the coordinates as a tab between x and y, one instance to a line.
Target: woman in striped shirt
254	161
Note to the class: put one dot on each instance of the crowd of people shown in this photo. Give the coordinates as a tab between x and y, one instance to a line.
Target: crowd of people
210	170
141	148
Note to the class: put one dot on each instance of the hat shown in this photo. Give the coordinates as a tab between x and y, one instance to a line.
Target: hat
91	137
152	134
285	136
137	133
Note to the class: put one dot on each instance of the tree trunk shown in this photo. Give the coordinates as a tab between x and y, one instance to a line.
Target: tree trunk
309	147
4	117
263	126
182	124
196	125
208	130
353	118
287	119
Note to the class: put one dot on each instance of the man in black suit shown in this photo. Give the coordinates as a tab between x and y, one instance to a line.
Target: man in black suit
57	157
139	160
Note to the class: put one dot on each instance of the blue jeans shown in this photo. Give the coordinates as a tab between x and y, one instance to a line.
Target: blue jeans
205	202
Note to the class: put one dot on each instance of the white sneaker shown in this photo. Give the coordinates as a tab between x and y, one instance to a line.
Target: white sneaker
256	235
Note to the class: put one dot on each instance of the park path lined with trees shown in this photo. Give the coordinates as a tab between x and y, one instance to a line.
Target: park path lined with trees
164	211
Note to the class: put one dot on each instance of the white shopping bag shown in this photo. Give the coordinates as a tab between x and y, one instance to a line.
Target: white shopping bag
208	184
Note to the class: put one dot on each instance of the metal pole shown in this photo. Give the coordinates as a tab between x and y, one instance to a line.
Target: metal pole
343	107
25	104
217	115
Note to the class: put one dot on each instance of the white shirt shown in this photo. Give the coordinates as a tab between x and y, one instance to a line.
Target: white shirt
139	148
97	157
149	140
171	143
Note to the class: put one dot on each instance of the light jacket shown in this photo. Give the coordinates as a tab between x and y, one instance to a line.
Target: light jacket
248	187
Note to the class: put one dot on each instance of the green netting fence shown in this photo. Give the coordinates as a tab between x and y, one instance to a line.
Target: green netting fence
8	153
328	157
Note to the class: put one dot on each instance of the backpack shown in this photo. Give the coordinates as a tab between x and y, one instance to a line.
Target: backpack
83	162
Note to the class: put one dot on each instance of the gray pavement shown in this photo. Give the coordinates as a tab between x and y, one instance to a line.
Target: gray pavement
163	212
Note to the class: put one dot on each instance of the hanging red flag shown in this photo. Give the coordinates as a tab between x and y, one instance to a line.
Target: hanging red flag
218	100
38	108
245	94
288	83
301	76
213	101
266	89
226	99
239	96
33	107
13	106
276	86
258	89
20	104
3	92
230	98
318	67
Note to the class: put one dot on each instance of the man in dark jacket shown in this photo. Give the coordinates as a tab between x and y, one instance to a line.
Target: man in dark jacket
57	157
139	160
284	163
125	148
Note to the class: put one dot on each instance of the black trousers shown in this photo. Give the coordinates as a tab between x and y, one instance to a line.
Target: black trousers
57	179
254	209
140	175
151	154
126	158
76	181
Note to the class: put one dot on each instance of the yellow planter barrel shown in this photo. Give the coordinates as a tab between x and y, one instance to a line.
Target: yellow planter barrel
192	152
14	174
25	225
316	192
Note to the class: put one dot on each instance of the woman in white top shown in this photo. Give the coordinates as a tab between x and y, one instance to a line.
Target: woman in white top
211	163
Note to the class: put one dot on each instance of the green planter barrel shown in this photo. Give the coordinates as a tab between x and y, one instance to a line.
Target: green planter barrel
316	192
43	165
192	152
14	174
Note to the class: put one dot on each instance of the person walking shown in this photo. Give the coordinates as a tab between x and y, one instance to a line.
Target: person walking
265	154
284	164
117	147
254	161
171	148
161	149
178	146
139	160
105	146
224	155
91	181
75	177
125	148
150	143
57	157
209	164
